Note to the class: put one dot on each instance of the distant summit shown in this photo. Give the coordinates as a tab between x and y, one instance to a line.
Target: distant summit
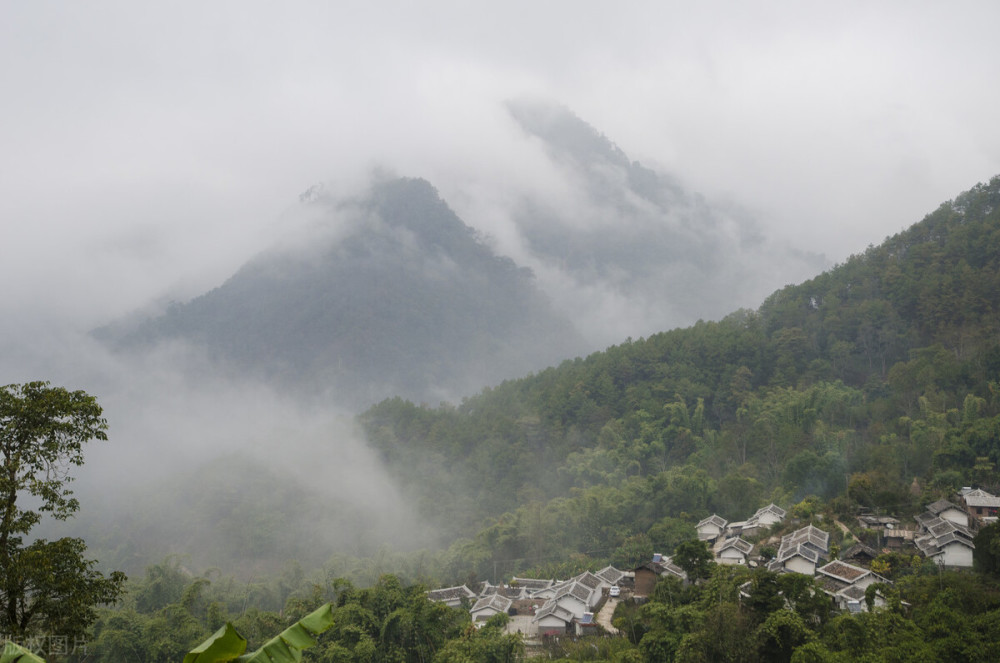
391	295
631	233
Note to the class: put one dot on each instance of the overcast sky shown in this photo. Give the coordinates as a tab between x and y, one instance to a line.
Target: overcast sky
146	149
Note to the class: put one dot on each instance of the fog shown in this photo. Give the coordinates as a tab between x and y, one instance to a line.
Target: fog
147	151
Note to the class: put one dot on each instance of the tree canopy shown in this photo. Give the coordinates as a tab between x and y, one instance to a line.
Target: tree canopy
46	587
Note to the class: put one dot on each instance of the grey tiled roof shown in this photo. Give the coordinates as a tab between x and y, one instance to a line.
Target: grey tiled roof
843	571
494	601
739	544
554	609
714	519
532	584
589	580
451	593
610	574
939	507
980	498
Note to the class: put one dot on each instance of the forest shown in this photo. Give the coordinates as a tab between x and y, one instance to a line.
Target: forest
871	388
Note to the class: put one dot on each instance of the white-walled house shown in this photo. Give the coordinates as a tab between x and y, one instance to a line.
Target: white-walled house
553	617
949	511
795	559
767	516
944	540
488	606
947	545
733	551
839	574
802	550
711	528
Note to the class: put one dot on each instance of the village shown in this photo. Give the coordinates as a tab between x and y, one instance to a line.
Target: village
584	604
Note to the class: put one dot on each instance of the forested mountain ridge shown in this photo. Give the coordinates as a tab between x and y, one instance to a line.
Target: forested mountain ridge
393	295
881	370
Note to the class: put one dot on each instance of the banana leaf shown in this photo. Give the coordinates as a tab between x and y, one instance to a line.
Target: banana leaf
287	646
227	645
223	645
13	653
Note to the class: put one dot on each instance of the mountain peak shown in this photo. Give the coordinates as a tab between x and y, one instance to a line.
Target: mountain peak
404	302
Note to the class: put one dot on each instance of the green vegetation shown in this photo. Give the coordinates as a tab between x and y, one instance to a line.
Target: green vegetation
734	614
47	588
874	385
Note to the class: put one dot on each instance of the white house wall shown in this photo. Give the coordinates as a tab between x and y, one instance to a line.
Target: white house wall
799	564
956	554
956	516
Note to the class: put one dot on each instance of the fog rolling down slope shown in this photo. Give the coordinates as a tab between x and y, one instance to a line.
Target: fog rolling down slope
632	249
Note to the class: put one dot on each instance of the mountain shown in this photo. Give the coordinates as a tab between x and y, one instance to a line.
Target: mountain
628	233
872	384
392	294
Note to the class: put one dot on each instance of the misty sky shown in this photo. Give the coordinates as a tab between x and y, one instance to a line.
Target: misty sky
147	149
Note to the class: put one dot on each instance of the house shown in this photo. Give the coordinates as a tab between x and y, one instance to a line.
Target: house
610	575
736	528
767	516
577	597
591	581
761	519
647	574
981	505
488	606
852	599
512	592
733	551
809	536
859	553
839	574
801	551
586	625
452	596
869	521
711	528
949	511
553	619
570	603
531	584
795	559
847	585
946	542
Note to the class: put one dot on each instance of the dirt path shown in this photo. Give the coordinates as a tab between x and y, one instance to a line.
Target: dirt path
604	616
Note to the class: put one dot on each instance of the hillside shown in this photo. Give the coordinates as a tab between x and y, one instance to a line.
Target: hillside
392	295
881	370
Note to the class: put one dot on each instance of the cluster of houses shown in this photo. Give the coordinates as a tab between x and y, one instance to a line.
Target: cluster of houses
944	533
805	551
555	607
727	539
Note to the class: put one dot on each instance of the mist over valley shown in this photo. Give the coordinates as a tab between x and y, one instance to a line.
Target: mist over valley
386	297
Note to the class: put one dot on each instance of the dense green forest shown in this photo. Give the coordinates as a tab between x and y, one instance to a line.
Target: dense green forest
873	385
733	614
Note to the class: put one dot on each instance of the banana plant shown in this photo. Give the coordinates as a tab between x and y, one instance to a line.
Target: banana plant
13	653
226	645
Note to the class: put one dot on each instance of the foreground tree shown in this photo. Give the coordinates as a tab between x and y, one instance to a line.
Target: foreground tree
46	588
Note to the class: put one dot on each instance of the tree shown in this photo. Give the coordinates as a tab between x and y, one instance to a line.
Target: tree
46	587
695	558
986	555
